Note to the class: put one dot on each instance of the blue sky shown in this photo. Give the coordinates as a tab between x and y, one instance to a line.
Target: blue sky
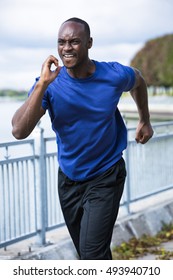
119	29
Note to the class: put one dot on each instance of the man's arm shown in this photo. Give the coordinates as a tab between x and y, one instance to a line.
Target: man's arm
28	115
139	93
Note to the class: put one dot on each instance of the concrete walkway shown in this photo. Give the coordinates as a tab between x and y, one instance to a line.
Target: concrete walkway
161	108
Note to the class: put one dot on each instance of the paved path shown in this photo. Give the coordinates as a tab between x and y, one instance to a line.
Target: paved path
161	108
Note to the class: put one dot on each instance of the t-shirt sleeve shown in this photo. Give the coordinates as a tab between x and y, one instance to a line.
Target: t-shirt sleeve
126	75
44	100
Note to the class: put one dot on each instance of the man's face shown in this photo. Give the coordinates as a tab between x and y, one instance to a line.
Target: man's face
73	44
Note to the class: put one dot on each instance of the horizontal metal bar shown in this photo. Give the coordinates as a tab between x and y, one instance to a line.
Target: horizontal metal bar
21	159
48	139
16	143
55	226
18	239
154	125
48	155
151	194
154	138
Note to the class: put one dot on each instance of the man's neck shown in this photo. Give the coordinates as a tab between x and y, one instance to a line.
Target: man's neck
82	71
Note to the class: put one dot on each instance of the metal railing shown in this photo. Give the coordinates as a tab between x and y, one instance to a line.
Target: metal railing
149	166
29	203
17	191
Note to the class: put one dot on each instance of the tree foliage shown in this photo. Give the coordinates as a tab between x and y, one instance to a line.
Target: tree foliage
22	94
155	61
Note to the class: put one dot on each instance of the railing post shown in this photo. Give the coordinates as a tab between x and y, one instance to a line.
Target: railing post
128	192
40	187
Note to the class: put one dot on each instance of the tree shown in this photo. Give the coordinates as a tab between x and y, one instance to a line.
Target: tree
155	61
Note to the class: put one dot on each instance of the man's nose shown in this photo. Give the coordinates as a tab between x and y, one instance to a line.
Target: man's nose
67	46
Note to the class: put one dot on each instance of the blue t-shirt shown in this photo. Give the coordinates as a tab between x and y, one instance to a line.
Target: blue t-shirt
90	131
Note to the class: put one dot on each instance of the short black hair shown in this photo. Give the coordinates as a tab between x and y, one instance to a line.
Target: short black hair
86	25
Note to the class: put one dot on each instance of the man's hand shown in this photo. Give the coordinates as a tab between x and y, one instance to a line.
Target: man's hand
47	75
143	132
28	115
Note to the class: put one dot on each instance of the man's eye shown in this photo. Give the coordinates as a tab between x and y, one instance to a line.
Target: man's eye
75	42
60	43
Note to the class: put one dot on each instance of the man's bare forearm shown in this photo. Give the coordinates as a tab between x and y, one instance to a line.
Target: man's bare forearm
140	96
28	115
139	93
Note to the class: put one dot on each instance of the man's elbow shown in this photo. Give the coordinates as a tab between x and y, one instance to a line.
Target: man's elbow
19	134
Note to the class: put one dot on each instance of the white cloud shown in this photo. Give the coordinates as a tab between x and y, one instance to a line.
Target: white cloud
21	66
29	31
115	52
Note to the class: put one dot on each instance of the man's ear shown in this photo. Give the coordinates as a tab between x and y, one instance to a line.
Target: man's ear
90	42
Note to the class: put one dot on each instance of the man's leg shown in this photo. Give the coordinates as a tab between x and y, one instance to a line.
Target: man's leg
101	205
90	210
70	199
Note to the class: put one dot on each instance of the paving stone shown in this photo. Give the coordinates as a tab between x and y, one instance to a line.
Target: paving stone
155	219
140	226
170	208
120	234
